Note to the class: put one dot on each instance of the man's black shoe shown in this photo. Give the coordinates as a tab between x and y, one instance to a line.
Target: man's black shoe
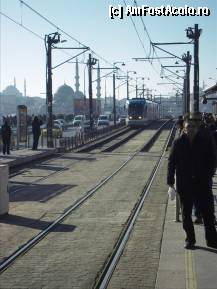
198	221
189	245
212	244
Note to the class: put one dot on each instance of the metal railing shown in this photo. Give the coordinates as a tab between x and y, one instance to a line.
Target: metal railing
80	138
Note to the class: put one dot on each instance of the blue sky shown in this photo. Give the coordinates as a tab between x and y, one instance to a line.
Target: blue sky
23	54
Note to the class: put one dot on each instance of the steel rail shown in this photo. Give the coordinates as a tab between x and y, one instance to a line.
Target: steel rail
109	268
58	155
8	261
122	130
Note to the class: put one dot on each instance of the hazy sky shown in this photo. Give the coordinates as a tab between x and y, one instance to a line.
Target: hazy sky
22	54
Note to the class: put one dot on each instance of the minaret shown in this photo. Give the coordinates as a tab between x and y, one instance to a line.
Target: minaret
98	90
77	85
24	90
15	82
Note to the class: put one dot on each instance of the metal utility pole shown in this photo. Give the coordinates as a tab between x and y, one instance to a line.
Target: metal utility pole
114	98
91	62
127	86
50	39
188	67
195	35
186	91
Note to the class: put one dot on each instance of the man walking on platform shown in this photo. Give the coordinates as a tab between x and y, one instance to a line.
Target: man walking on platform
36	130
193	159
6	137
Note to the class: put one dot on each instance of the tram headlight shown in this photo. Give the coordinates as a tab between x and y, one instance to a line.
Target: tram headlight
130	117
140	117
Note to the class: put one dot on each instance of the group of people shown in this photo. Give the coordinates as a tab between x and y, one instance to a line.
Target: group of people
193	160
6	134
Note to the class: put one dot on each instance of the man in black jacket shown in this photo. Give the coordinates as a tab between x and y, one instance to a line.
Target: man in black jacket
6	137
193	159
36	130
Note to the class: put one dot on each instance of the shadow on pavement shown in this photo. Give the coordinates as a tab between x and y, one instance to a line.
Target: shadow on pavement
206	249
36	192
34	223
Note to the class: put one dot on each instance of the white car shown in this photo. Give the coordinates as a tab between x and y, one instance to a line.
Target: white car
103	120
61	122
79	119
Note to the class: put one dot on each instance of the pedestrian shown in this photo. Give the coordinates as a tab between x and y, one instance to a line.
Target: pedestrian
193	159
179	124
36	130
6	137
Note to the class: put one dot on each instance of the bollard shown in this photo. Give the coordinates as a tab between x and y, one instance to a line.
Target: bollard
4	195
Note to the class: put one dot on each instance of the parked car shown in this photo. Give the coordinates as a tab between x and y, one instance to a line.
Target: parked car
122	119
57	130
103	120
61	122
103	123
79	117
77	123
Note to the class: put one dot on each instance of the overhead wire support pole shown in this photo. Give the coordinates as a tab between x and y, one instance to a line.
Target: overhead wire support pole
194	34
90	63
187	59
50	39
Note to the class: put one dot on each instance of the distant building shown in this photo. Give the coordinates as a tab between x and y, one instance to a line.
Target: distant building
64	100
8	100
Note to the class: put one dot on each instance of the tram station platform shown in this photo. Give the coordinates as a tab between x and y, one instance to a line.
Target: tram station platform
186	269
24	156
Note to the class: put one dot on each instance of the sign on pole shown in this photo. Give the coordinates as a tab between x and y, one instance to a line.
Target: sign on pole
21	124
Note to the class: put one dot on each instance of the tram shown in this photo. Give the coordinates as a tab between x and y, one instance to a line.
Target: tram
141	111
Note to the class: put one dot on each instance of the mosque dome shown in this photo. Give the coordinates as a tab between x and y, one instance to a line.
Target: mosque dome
65	90
11	91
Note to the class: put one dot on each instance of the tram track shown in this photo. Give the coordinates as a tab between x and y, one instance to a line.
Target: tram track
126	135
31	243
106	273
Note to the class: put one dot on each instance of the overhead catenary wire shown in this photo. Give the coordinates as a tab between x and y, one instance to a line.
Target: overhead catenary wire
64	32
152	48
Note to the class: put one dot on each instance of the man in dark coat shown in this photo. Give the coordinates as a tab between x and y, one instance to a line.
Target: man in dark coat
36	130
6	137
193	159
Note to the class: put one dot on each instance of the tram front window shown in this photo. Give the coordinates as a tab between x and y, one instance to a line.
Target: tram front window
135	110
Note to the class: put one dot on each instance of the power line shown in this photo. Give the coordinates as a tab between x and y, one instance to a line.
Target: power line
21	25
134	25
61	30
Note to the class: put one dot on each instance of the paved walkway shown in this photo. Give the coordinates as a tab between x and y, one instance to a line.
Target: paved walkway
186	269
24	156
178	268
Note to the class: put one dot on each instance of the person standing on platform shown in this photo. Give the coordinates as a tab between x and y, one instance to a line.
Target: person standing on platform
36	130
6	137
179	124
193	158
